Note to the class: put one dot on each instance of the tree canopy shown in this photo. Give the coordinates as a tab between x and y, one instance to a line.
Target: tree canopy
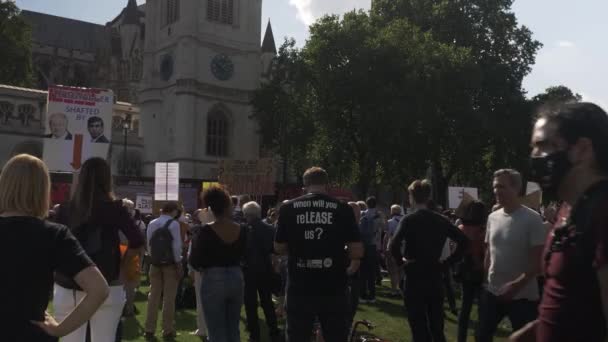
15	47
409	89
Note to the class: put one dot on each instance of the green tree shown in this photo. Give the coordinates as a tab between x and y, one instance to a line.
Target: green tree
280	107
376	90
504	52
558	94
15	47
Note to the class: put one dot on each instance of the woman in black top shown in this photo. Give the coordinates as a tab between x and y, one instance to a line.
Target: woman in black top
217	251
32	250
95	218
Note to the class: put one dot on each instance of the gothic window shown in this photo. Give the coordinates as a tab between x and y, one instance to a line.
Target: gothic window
217	134
221	11
171	11
6	111
26	113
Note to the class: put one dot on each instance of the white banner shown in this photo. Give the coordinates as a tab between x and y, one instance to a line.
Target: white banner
166	182
456	194
144	204
79	126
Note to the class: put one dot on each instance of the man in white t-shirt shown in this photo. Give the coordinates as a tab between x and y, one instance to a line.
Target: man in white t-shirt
514	238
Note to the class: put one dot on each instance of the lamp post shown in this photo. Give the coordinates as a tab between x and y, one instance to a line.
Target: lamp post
126	124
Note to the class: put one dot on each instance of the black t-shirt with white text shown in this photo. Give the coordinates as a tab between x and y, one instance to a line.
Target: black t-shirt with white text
316	229
31	250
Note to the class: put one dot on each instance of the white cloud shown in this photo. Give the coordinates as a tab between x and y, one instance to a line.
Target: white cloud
311	10
565	44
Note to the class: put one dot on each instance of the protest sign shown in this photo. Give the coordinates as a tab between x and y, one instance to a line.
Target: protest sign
252	177
144	204
166	182
79	122
456	195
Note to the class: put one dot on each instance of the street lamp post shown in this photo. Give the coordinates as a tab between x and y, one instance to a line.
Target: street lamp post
126	124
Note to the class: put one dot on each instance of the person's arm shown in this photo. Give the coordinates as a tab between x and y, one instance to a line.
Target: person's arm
69	258
461	240
177	243
280	241
92	282
395	246
131	230
536	242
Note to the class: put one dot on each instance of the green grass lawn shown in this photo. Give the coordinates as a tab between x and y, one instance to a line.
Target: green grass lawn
387	314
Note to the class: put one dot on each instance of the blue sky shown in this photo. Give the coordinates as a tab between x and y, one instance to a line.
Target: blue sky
574	54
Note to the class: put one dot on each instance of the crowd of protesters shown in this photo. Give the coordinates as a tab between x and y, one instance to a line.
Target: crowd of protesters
313	260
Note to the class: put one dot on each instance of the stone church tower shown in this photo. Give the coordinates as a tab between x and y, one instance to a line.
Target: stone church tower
202	61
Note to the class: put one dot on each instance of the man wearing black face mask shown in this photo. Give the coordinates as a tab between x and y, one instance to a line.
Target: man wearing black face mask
570	161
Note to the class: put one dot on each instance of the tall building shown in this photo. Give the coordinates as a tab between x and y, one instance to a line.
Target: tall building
186	68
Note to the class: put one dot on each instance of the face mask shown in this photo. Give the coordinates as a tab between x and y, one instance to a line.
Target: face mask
549	171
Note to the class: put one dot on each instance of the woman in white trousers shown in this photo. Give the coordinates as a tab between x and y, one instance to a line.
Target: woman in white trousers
105	320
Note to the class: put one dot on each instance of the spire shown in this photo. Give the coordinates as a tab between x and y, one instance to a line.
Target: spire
268	45
131	13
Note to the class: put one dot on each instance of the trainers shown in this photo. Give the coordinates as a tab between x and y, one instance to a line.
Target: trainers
149	336
363	301
372	301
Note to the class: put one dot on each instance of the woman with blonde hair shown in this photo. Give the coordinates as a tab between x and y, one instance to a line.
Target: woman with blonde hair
96	217
25	190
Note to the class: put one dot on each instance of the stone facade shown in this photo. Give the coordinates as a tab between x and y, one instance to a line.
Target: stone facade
23	121
190	68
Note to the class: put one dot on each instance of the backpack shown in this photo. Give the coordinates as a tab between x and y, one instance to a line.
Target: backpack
161	246
369	229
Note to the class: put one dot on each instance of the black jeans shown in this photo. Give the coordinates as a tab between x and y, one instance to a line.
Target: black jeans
332	311
470	292
449	289
369	266
493	310
259	285
424	304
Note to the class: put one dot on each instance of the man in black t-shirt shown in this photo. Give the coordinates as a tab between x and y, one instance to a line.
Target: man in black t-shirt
424	234
314	231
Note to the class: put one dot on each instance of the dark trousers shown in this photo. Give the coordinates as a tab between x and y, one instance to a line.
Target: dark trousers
331	311
424	304
369	266
470	292
449	289
254	286
493	310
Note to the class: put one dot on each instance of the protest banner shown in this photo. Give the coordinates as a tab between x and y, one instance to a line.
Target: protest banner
79	122
252	177
144	204
166	182
456	195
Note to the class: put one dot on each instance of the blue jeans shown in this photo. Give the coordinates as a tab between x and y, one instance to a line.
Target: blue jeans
222	298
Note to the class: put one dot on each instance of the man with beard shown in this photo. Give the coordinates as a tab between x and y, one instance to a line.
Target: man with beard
570	162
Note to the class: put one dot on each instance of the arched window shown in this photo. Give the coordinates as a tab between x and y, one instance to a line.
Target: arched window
217	134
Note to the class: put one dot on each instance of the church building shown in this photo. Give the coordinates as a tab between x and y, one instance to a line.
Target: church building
183	72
